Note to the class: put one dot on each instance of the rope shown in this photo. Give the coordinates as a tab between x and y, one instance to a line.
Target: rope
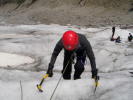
21	90
60	78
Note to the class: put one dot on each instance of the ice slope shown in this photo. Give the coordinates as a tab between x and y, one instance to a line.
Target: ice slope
114	62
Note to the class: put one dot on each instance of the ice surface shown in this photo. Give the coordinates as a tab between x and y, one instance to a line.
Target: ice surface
29	42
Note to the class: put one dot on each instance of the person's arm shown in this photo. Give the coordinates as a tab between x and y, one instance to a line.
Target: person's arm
90	55
55	53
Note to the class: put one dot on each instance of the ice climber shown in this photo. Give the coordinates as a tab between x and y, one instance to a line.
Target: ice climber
118	39
113	32
76	46
130	37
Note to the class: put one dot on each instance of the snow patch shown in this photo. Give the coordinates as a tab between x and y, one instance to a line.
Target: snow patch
8	59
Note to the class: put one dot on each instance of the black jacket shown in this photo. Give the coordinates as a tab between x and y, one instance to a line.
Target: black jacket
84	44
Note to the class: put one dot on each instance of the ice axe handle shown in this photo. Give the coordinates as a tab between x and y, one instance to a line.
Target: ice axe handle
96	83
44	77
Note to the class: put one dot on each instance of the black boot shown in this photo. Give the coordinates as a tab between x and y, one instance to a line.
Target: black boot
77	77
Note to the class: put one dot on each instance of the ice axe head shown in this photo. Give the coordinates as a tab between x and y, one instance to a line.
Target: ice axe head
39	88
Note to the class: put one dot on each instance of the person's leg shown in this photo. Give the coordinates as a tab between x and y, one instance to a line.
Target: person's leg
67	65
79	66
129	39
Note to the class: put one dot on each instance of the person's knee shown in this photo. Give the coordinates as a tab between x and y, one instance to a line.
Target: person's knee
80	70
67	76
79	66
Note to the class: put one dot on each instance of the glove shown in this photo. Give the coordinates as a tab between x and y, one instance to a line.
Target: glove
94	73
50	72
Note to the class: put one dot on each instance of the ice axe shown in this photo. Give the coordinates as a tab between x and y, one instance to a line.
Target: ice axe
96	83
39	86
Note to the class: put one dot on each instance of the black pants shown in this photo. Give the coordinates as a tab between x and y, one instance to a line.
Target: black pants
129	38
79	65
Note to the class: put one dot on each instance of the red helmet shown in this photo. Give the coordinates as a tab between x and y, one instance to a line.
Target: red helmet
70	40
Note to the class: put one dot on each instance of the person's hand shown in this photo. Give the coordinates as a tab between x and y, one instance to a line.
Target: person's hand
94	73
50	72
